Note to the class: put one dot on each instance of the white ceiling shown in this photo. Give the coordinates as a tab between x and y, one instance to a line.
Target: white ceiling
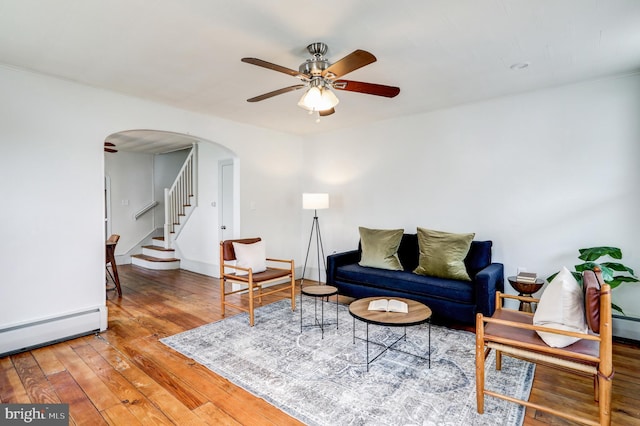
440	53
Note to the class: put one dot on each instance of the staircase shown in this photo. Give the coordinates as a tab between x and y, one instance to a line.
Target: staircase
156	256
179	202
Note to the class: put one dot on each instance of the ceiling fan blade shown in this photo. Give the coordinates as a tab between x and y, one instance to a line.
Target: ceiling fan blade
110	150
279	68
275	93
368	88
109	144
351	62
326	112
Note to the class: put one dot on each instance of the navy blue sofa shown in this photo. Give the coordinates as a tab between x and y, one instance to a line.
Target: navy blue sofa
448	299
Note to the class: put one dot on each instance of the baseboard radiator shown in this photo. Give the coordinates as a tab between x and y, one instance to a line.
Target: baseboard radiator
31	335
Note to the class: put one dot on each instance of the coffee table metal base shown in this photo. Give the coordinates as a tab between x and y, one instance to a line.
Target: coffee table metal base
390	347
417	313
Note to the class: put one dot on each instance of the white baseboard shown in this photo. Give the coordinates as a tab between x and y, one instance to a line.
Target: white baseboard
44	331
200	267
626	327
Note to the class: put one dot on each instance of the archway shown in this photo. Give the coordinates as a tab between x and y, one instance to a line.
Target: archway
145	163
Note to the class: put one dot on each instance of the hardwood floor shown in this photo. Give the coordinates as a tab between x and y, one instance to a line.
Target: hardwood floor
125	376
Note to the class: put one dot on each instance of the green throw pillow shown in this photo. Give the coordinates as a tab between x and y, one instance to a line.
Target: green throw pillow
442	254
380	248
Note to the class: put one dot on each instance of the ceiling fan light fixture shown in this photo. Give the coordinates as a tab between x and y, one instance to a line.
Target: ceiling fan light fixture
318	99
319	78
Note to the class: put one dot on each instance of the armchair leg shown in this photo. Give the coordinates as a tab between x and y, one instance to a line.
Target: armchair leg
604	403
293	292
222	306
251	290
480	364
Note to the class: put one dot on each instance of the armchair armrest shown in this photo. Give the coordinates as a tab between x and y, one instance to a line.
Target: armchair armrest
500	302
289	266
289	263
508	339
271	259
487	282
340	259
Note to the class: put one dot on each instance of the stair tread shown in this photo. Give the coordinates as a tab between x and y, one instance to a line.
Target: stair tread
154	259
158	248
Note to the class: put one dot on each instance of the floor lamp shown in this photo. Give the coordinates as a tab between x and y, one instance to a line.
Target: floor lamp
314	202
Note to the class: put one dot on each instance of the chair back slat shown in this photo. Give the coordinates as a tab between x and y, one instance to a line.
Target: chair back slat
226	247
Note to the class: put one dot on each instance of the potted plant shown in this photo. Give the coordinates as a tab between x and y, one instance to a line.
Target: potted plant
589	256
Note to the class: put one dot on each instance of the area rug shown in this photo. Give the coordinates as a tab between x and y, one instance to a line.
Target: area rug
324	381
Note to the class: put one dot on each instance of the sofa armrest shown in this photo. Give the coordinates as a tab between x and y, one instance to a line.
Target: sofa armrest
487	282
340	259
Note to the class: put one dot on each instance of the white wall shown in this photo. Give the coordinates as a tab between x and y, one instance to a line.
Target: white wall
197	243
52	174
52	216
541	174
131	177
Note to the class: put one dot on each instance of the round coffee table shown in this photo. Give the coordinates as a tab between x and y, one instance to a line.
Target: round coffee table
418	314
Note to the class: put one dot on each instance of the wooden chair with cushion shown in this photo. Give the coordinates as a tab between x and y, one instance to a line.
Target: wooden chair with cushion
510	332
231	271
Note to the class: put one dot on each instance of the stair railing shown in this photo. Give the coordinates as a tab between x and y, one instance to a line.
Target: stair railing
182	194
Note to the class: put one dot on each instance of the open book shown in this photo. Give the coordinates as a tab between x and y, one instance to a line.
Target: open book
390	305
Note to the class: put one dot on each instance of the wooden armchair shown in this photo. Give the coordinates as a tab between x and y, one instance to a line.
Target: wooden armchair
512	333
251	282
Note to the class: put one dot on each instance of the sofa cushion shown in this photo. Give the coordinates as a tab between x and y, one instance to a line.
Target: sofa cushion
380	248
442	254
406	281
479	257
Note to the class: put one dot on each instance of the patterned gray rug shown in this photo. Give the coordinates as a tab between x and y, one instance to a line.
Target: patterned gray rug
325	381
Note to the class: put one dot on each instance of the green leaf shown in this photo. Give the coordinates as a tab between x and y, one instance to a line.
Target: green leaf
587	266
552	276
593	253
577	276
618	267
616	281
617	308
607	273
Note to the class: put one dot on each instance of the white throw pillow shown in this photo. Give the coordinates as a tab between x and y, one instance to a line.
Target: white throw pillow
250	256
561	307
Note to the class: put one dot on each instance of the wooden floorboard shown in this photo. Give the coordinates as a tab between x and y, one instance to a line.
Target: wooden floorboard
125	376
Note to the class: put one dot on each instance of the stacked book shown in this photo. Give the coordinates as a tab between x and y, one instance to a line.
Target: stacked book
526	277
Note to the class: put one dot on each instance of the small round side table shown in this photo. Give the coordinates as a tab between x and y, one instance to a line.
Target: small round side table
525	289
319	291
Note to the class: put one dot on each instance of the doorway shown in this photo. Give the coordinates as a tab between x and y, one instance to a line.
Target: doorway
226	219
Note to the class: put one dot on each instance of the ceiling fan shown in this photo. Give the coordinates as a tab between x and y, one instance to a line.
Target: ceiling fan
109	147
319	76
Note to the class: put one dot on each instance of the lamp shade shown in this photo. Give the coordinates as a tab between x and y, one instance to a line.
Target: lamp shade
315	201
